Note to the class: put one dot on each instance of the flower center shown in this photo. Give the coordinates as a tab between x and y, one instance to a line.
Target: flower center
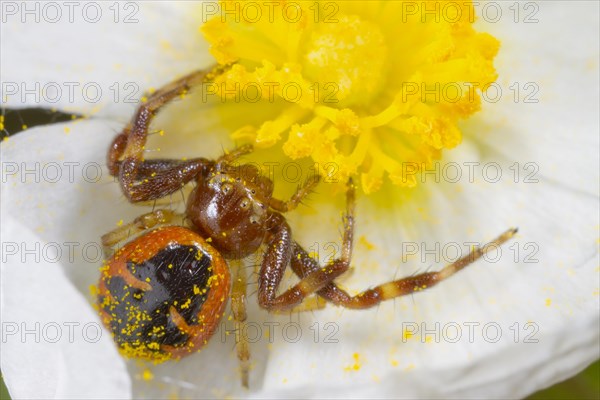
374	95
347	58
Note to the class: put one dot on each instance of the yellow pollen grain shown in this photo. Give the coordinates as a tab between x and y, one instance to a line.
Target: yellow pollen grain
147	375
363	241
187	303
356	365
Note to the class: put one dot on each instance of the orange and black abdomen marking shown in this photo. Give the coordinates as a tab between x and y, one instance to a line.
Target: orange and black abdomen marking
162	295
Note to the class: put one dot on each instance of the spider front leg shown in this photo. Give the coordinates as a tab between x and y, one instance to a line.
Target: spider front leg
304	265
238	308
155	179
140	224
143	180
302	191
230	156
276	259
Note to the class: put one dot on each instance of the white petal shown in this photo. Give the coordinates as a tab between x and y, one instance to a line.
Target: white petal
103	67
58	348
53	345
549	93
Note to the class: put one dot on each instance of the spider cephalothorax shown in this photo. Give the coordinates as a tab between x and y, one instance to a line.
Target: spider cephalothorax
232	207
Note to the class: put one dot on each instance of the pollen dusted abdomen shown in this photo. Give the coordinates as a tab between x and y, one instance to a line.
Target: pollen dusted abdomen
163	294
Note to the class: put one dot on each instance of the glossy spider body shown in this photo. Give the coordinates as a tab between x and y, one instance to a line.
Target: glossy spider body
163	293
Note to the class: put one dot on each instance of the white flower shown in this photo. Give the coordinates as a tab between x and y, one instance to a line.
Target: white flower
541	297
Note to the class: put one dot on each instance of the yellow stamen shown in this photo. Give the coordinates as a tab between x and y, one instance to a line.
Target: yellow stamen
378	88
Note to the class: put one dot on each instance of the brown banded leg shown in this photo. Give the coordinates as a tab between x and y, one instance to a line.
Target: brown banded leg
312	303
279	254
276	260
159	178
231	156
116	150
140	224
304	265
126	154
302	191
238	308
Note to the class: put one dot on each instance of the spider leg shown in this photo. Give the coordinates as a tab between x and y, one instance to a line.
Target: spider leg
276	259
140	224
301	193
281	247
143	180
304	265
158	178
238	308
312	303
231	156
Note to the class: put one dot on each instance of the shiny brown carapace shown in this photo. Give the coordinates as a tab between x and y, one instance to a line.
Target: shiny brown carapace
163	293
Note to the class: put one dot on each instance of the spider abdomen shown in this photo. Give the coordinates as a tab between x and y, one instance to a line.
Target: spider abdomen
163	294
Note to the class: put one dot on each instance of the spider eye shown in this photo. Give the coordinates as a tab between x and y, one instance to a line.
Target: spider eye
245	204
226	188
253	191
